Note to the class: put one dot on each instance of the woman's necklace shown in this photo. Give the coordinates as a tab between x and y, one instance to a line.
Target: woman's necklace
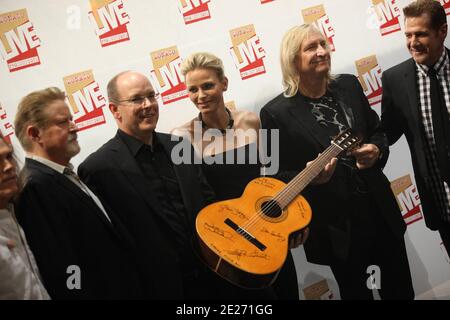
223	131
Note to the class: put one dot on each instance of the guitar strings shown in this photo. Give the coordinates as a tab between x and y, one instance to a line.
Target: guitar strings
289	191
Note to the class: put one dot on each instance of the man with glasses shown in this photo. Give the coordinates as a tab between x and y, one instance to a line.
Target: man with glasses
81	249
156	199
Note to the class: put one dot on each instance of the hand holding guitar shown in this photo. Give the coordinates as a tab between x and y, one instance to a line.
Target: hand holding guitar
366	156
299	239
326	174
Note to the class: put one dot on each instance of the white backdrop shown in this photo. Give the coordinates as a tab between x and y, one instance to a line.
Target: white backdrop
43	42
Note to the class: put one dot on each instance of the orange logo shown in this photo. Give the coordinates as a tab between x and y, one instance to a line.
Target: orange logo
19	40
247	52
387	12
266	1
110	21
166	75
407	199
316	15
194	10
369	75
85	99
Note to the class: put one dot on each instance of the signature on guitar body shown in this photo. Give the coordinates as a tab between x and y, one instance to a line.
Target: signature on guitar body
246	240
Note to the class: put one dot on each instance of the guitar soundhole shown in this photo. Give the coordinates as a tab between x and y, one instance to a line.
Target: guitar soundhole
271	209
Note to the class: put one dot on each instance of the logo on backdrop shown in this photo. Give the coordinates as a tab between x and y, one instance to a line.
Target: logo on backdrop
318	291
194	10
407	199
446	5
6	127
369	75
247	52
86	99
110	21
316	15
166	75
266	1
387	12
19	40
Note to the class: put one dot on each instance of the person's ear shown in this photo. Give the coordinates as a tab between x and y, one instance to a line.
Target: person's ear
115	111
33	133
225	83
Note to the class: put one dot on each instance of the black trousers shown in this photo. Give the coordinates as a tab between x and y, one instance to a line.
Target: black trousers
373	245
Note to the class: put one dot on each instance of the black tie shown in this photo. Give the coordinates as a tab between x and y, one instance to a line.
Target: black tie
441	126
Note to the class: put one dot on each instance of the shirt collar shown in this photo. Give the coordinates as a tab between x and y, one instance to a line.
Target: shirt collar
135	145
53	165
439	66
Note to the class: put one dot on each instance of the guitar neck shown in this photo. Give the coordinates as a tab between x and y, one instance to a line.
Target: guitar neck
303	179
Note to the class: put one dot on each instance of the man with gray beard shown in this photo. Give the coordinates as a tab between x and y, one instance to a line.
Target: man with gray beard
80	247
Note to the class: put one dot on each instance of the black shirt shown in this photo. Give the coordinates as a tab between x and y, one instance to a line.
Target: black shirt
158	169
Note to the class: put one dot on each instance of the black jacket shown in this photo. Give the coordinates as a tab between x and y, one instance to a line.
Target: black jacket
65	227
114	174
401	115
301	139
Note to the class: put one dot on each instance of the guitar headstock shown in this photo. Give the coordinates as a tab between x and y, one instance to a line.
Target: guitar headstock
347	140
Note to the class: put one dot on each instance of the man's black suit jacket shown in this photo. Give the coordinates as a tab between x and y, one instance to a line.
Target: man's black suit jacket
301	138
401	114
114	174
64	227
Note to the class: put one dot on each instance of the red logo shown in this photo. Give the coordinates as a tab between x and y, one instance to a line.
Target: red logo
6	127
110	21
247	52
266	1
166	75
388	13
369	75
407	198
194	10
446	5
316	15
19	40
85	99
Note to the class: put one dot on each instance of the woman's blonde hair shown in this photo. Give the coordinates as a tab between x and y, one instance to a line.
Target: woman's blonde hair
203	60
289	55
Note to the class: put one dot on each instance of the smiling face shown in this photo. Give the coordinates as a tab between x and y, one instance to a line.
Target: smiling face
135	116
314	55
423	42
8	177
206	89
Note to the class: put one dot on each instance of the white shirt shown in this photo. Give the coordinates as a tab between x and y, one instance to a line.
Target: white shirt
75	179
19	274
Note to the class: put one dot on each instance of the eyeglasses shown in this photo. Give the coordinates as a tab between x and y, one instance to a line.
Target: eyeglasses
140	100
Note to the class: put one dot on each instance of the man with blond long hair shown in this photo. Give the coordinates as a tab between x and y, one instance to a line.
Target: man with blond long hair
356	223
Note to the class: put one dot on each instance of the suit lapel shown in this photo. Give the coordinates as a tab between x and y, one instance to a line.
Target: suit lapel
412	90
305	120
69	186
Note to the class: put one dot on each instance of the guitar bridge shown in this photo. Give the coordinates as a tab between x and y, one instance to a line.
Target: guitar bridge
245	234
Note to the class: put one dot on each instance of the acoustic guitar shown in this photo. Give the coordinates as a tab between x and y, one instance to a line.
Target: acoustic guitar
245	240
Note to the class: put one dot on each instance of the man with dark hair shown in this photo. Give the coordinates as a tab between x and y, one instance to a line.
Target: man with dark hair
416	103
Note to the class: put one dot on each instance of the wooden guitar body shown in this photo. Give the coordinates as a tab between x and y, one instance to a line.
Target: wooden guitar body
245	240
